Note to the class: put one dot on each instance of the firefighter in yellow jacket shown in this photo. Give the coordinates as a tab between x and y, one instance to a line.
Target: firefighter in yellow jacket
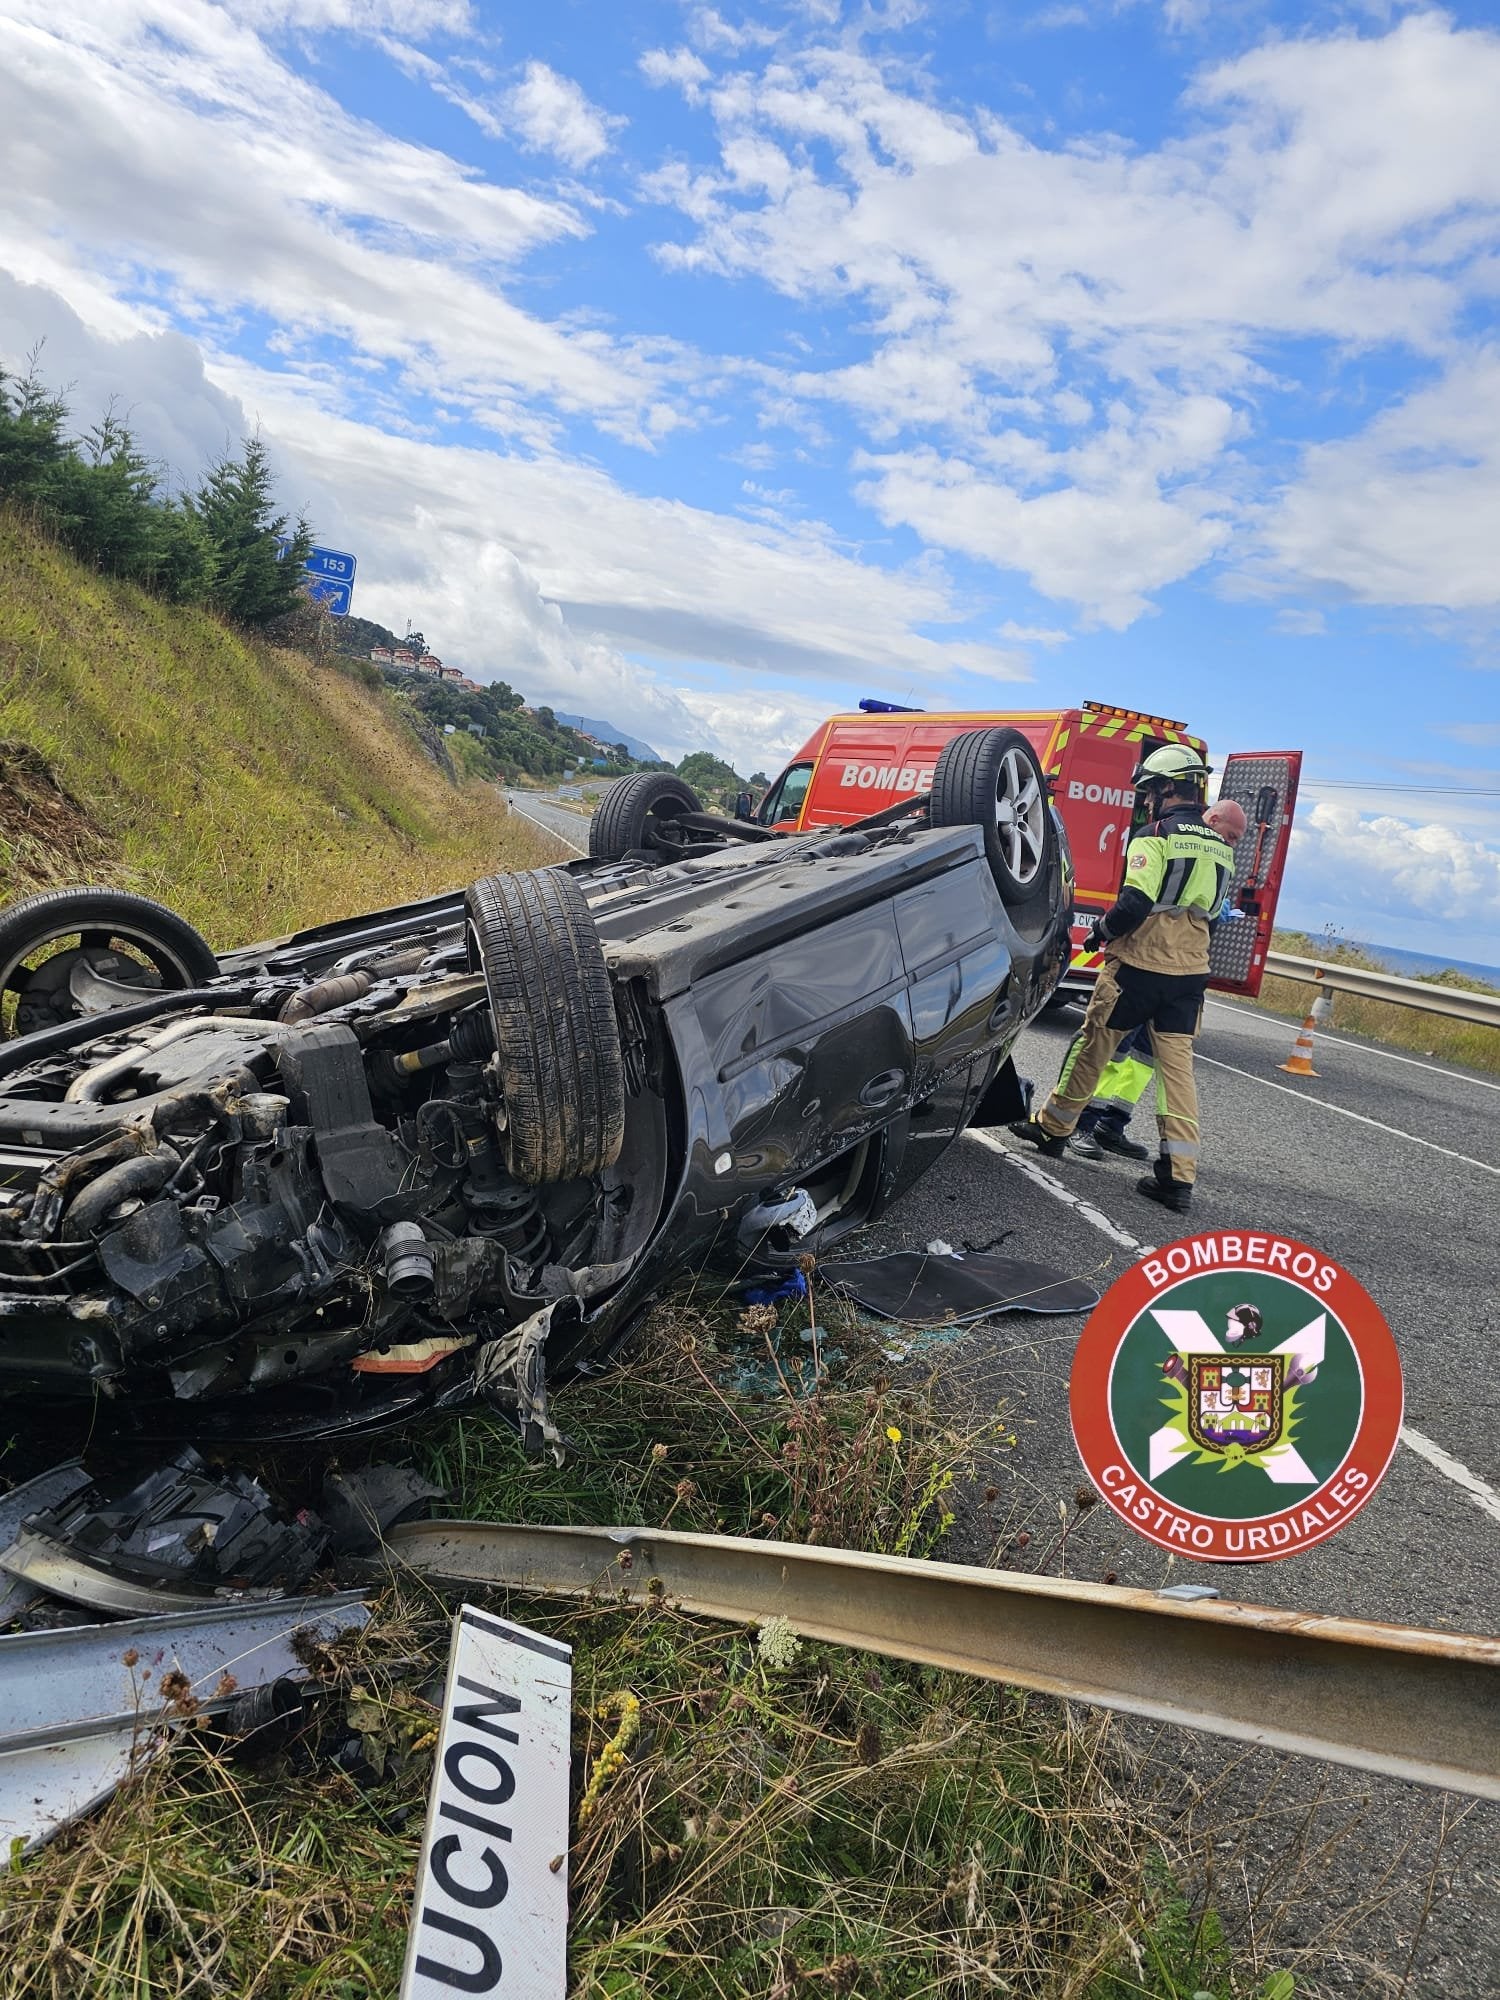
1155	971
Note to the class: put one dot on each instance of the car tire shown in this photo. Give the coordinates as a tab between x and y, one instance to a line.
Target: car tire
626	818
557	1041
992	778
180	956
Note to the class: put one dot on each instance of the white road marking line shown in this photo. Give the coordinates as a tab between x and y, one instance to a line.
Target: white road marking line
1038	1174
561	838
1358	1116
1474	1488
1276	1025
1484	1496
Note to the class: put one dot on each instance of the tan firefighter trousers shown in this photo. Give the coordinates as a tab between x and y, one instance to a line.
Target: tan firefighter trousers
1089	1055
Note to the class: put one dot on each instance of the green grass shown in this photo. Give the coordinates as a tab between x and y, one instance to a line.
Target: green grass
249	788
1465	1042
786	1818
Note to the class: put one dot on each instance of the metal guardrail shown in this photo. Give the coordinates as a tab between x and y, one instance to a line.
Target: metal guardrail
1391	1698
1458	1005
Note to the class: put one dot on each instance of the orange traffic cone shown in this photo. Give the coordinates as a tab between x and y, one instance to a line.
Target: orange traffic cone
1299	1062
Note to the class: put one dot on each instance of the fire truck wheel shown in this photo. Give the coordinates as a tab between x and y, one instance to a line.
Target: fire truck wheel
637	813
991	778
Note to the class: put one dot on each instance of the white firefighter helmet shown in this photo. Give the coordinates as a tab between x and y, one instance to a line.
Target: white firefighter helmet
1171	764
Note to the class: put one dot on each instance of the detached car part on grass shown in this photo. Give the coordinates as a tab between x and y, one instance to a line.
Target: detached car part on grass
456	1148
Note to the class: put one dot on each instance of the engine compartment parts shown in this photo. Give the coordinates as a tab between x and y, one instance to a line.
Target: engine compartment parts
187	1533
178	1537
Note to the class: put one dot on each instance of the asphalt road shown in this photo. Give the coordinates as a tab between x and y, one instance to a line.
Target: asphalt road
1391	1165
552	818
1348	1163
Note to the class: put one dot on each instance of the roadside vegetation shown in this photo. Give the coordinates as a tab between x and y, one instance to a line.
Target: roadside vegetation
153	746
753	1815
219	544
1465	1042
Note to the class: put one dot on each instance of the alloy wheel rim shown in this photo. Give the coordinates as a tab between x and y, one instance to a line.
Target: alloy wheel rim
1020	816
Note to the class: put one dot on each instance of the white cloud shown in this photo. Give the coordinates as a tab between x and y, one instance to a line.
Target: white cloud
361	17
799	626
1342	189
1300	624
759	731
1408	511
710	30
1483	734
1105	550
1033	635
155	377
167	147
552	115
681	67
1378	877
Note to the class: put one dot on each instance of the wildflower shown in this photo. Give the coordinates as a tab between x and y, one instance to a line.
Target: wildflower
658	1453
612	1757
893	1434
777	1644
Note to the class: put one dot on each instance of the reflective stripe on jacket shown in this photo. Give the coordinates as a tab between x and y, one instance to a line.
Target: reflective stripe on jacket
1177	874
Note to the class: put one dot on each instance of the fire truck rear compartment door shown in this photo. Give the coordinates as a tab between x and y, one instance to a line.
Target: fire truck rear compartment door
1264	782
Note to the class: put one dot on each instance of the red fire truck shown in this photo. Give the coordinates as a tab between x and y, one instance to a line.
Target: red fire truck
855	764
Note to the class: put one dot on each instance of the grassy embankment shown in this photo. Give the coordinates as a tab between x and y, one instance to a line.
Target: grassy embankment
1465	1042
152	747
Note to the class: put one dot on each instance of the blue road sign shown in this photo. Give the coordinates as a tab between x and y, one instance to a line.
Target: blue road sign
334	563
333	595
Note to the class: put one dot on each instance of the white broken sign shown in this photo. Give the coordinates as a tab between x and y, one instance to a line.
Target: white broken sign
490	1914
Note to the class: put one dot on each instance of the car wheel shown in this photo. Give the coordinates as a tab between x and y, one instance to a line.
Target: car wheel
71	952
991	778
635	813
558	1045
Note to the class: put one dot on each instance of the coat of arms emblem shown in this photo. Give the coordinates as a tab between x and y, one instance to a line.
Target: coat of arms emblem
1232	1402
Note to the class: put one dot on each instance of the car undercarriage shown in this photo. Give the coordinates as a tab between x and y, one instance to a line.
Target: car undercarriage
454	1150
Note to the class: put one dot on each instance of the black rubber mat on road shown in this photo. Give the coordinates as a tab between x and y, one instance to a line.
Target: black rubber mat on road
916	1288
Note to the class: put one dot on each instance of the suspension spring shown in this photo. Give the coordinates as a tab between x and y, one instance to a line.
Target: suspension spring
511	1214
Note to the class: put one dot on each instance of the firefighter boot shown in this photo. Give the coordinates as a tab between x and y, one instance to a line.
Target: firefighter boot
1114	1139
1038	1136
1160	1186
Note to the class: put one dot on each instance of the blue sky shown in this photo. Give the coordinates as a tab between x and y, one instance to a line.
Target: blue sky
707	369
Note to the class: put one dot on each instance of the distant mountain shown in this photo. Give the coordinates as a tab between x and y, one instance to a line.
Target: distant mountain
607	732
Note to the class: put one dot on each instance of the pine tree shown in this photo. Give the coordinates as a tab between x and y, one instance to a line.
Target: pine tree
31	434
255	579
101	498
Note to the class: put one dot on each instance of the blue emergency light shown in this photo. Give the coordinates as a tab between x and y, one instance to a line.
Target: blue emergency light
873	707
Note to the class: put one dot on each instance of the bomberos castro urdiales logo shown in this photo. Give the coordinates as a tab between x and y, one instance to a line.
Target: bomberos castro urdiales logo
1236	1396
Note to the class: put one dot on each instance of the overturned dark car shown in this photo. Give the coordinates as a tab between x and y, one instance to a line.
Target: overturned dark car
454	1150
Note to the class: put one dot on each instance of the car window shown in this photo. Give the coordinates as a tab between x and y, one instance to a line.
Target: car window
784	800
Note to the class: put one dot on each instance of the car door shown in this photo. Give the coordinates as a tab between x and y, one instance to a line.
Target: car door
811	1041
1264	783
